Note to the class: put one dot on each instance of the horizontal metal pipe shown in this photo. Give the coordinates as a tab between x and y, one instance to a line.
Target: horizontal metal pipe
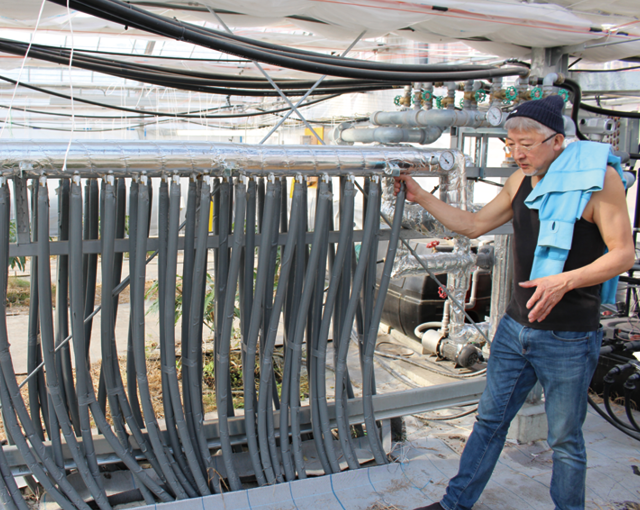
91	158
433	118
423	136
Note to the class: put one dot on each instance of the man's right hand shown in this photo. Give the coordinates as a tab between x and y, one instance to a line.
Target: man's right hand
413	189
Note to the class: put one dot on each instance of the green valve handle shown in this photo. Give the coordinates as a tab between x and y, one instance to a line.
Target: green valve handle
480	96
396	100
536	93
427	95
511	93
564	94
461	103
439	102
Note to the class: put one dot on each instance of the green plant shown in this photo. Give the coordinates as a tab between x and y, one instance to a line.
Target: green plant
20	262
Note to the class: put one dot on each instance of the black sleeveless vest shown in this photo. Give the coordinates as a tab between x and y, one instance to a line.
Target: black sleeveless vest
579	309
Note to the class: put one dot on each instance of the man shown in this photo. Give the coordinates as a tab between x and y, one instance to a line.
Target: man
550	332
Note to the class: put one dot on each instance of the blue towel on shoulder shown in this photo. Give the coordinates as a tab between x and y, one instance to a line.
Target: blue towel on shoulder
561	196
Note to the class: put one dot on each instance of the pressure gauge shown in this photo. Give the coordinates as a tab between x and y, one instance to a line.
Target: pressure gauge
494	116
447	161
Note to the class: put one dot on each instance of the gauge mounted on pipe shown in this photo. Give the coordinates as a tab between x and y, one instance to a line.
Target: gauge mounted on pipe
447	161
495	116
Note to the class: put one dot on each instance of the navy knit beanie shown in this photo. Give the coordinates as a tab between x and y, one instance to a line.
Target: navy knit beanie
547	111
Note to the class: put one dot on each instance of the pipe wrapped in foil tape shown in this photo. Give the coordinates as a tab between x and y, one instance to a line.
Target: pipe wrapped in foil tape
440	262
123	158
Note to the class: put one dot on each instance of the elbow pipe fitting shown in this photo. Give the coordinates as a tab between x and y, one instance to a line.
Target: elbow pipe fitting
630	383
610	378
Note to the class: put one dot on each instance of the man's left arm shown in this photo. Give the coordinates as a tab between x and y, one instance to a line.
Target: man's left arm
612	218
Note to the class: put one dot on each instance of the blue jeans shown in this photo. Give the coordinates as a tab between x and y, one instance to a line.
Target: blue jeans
563	362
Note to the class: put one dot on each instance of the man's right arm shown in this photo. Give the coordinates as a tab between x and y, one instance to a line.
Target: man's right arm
495	213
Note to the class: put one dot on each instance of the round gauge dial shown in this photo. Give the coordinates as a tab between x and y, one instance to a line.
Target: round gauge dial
494	116
447	160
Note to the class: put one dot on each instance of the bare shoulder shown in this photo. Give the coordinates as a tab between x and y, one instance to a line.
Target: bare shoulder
611	196
612	188
513	183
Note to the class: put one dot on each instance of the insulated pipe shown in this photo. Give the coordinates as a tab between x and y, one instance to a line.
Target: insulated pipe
295	346
345	333
386	135
123	158
46	322
190	362
269	462
10	396
86	396
368	385
138	273
430	118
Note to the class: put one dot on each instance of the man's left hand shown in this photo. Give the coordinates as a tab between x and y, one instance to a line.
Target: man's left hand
549	291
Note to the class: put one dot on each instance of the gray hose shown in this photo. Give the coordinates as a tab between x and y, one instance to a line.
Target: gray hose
37	390
10	496
132	382
187	282
370	341
108	235
313	342
321	425
343	347
86	395
295	347
63	356
170	344
271	463
194	342
270	224
137	314
46	324
224	316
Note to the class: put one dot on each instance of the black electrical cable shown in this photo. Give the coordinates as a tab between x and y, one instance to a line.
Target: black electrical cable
608	112
607	404
630	386
574	87
134	17
610	420
62	56
161	114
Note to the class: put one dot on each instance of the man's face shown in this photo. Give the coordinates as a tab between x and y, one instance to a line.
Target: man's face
532	151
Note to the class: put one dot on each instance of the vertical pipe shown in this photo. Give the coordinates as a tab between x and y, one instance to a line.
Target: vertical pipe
194	339
225	318
345	333
46	322
368	382
193	458
295	346
37	392
137	316
338	274
270	462
86	396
